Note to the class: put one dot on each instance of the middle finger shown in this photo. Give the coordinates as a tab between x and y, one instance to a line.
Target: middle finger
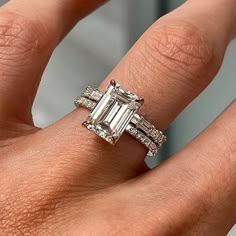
29	32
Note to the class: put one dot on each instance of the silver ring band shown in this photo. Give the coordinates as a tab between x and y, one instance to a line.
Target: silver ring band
138	127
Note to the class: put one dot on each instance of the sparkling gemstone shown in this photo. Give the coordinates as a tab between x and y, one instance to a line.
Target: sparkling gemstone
134	131
88	91
135	119
96	95
113	112
153	148
145	126
147	141
155	134
134	105
141	136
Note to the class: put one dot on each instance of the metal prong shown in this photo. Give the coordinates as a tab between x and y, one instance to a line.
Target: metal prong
141	101
113	83
85	124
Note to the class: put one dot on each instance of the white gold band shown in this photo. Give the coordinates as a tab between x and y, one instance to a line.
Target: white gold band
138	127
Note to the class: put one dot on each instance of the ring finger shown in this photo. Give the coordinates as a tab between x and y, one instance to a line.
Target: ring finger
169	66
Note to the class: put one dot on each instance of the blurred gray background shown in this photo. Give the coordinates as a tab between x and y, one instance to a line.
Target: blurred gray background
95	46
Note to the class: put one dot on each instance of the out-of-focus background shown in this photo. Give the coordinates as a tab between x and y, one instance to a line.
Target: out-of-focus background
95	46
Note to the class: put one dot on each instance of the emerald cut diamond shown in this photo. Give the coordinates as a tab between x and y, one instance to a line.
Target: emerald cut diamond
113	113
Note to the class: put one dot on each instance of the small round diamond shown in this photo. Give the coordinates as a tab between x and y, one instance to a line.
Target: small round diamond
154	134
141	136
90	127
109	139
133	131
153	147
147	141
96	95
88	91
134	105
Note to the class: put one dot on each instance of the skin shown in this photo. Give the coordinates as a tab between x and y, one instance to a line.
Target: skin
63	180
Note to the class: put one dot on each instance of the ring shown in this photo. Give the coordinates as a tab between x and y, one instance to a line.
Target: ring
114	112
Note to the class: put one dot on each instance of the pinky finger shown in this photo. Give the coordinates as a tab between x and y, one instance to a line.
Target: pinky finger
194	192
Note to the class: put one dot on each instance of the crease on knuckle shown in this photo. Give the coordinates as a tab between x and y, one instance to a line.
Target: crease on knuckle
22	215
29	207
20	38
180	51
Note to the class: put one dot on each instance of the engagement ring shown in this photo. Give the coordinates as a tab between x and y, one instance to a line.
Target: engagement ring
115	112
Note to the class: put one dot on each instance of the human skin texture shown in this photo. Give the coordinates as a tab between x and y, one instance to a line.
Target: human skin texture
63	180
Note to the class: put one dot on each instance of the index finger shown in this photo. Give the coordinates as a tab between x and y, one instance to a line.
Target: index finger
29	32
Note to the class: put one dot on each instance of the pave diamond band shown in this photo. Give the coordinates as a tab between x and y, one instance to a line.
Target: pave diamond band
85	102
114	112
144	139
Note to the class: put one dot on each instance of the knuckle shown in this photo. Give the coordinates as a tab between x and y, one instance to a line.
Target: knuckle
28	210
20	38
182	52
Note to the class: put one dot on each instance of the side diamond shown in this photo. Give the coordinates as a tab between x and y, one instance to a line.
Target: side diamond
153	149
96	95
85	102
88	91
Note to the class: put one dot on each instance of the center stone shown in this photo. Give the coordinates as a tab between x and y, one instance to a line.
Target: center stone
113	113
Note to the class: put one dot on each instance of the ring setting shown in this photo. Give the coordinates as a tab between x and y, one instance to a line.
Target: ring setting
115	112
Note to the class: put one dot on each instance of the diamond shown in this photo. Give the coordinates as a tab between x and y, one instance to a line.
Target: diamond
133	131
145	126
134	105
81	101
155	134
88	91
96	95
135	119
113	112
90	127
147	141
153	148
76	102
141	136
160	138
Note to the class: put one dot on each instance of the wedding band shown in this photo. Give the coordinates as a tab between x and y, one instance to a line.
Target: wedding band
114	112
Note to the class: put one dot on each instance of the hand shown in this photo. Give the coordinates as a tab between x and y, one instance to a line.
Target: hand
63	180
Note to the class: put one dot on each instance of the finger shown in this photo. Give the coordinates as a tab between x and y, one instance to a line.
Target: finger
58	17
29	31
169	66
193	193
177	58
